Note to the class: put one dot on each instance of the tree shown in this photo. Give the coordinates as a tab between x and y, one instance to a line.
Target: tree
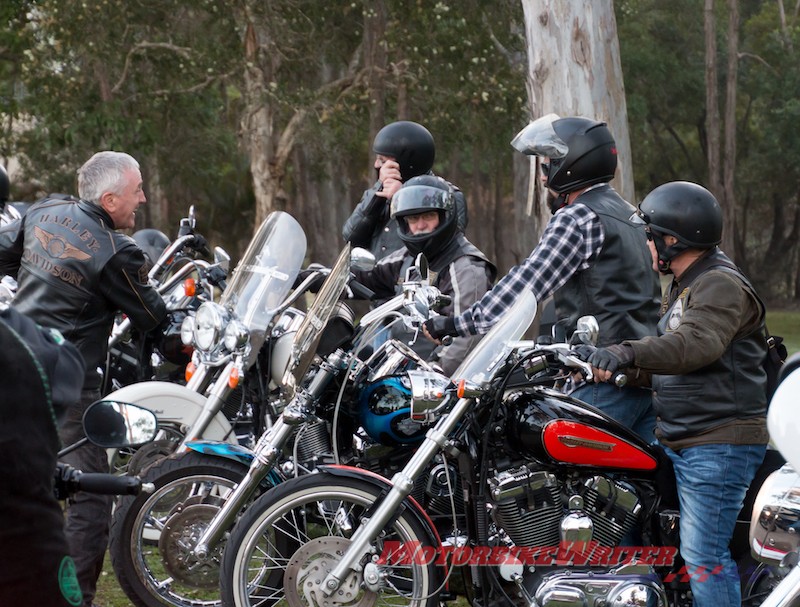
575	69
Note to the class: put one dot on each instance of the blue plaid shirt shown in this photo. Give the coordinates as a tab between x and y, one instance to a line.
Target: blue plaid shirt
570	243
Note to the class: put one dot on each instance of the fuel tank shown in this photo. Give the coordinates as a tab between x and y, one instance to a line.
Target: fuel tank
546	425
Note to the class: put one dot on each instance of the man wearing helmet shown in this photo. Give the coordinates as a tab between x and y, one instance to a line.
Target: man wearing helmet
707	377
590	257
425	211
403	150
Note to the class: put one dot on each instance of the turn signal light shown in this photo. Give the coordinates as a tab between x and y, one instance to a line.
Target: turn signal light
233	378
190	369
189	287
462	384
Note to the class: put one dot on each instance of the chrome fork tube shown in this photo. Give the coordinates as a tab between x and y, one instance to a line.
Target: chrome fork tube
213	404
786	592
267	450
266	453
402	484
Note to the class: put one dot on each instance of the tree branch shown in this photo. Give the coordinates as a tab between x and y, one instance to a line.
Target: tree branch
180	50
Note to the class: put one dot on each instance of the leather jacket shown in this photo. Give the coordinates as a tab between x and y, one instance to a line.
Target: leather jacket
75	273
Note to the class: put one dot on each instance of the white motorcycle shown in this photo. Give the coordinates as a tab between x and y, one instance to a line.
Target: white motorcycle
775	526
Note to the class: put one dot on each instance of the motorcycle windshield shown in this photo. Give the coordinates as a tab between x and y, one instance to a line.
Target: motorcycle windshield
783	421
482	362
307	338
265	274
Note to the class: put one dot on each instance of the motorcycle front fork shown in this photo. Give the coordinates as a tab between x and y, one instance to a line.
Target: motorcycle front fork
267	451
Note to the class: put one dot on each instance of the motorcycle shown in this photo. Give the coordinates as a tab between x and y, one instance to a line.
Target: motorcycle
225	396
776	513
552	490
200	493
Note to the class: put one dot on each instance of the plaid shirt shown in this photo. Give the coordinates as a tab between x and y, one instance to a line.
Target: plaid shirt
570	243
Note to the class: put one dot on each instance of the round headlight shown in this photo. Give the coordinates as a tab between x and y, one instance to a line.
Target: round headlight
187	330
236	335
207	326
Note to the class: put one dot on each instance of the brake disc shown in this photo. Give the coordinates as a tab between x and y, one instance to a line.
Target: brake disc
309	567
179	536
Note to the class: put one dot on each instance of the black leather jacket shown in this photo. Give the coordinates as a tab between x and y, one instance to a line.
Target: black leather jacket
75	272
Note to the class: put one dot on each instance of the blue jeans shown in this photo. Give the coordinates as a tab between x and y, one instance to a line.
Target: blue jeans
632	407
712	482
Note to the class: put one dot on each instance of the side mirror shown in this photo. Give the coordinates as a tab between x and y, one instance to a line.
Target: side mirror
222	259
586	331
114	424
361	260
421	267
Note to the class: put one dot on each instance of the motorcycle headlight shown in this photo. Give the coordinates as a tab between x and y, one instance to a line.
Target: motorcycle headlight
208	323
235	336
187	330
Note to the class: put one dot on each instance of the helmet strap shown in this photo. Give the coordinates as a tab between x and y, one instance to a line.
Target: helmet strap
667	253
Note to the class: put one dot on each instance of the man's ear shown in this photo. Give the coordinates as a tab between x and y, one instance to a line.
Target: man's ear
108	201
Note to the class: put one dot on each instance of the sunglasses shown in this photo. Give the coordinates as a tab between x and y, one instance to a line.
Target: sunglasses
545	167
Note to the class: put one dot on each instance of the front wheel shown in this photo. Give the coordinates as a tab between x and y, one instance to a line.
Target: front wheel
286	543
152	535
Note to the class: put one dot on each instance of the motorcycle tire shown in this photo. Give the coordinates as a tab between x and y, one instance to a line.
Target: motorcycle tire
152	534
287	541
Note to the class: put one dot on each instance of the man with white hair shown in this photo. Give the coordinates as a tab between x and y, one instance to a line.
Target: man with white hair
75	272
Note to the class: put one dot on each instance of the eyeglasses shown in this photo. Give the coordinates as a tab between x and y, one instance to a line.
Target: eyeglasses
545	167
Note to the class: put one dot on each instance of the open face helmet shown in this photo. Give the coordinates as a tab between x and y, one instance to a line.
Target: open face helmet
682	209
410	144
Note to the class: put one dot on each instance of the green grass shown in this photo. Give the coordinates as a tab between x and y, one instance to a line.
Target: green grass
786	323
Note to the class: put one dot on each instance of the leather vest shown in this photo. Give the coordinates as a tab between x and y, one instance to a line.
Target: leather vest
620	288
732	387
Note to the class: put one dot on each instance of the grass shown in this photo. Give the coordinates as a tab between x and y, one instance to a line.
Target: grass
785	323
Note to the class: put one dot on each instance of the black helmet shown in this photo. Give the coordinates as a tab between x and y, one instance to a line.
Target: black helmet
582	151
685	210
4	185
152	242
418	195
410	144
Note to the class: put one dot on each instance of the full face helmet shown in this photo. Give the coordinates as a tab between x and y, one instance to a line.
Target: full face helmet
582	151
419	195
410	144
682	209
385	412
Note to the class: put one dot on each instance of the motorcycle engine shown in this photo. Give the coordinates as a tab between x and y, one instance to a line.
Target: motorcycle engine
533	506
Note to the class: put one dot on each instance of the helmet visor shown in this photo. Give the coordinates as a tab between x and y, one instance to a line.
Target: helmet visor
540	139
412	200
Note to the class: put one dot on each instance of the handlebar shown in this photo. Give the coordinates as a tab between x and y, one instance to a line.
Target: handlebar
69	481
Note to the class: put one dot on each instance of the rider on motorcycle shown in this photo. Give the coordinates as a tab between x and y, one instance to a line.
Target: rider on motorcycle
589	257
425	212
403	150
707	377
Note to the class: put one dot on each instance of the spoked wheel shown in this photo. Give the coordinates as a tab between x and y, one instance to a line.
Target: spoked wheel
292	537
152	536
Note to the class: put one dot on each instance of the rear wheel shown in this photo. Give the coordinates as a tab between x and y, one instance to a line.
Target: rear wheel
152	535
287	542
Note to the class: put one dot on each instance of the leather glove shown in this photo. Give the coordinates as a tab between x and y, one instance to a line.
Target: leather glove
440	326
612	358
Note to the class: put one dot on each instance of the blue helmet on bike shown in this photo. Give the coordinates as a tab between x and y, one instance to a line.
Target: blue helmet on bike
385	412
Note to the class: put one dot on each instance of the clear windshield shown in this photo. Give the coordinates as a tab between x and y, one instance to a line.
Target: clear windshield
308	334
783	418
266	274
481	364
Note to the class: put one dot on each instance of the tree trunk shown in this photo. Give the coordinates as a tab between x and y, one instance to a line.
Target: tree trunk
574	69
728	201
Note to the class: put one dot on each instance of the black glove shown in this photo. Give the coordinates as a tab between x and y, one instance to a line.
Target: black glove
317	284
612	358
440	326
200	245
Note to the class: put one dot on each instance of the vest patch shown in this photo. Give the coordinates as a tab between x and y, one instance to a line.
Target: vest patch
68	582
